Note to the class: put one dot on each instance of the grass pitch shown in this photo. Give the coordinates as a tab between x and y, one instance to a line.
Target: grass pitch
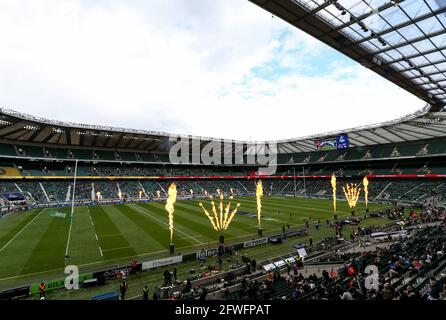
33	243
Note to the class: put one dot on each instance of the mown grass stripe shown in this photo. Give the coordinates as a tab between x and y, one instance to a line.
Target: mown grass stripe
149	215
104	226
155	233
50	250
18	229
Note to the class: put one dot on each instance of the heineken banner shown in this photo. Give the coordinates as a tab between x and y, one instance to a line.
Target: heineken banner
255	242
161	262
206	253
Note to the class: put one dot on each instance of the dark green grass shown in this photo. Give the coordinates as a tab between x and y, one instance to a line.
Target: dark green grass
16	227
113	244
153	278
123	232
53	241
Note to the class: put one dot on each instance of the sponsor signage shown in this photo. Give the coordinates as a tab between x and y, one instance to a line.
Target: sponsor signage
57	284
111	274
255	242
14	293
297	233
206	253
161	262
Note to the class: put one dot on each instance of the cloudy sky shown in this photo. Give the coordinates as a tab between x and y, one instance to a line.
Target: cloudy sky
222	68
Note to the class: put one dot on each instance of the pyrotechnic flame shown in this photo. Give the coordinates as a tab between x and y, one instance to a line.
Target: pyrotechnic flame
191	192
222	219
119	195
333	187
365	182
259	195
158	193
170	206
214	210
351	192
140	194
231	216
221	208
232	191
211	219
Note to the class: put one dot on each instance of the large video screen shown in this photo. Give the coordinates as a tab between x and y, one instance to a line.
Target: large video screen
13	196
338	142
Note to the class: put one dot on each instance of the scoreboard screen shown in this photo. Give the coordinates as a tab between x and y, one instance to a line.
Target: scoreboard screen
338	142
342	141
13	196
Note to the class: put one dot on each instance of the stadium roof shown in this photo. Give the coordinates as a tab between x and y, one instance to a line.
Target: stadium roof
423	124
19	128
402	40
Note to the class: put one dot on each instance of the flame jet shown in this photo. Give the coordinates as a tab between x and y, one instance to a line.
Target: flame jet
214	211
211	219
365	182
170	206
351	192
333	187
259	195
222	219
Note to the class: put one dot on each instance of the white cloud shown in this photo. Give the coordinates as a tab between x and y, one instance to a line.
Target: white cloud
163	65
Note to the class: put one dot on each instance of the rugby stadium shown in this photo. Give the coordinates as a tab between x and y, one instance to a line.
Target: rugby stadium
113	207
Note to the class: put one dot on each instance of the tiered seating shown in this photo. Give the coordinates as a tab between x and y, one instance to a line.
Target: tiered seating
108	189
104	155
34	189
56	191
30	151
7	149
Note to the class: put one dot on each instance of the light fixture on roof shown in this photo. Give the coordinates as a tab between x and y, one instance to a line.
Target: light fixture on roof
30	127
363	26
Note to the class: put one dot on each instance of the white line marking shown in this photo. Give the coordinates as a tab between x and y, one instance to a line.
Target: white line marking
160	221
110	235
199	236
72	209
112	249
18	233
139	255
95	234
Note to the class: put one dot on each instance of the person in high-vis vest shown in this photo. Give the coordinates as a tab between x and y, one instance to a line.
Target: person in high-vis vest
145	293
42	289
